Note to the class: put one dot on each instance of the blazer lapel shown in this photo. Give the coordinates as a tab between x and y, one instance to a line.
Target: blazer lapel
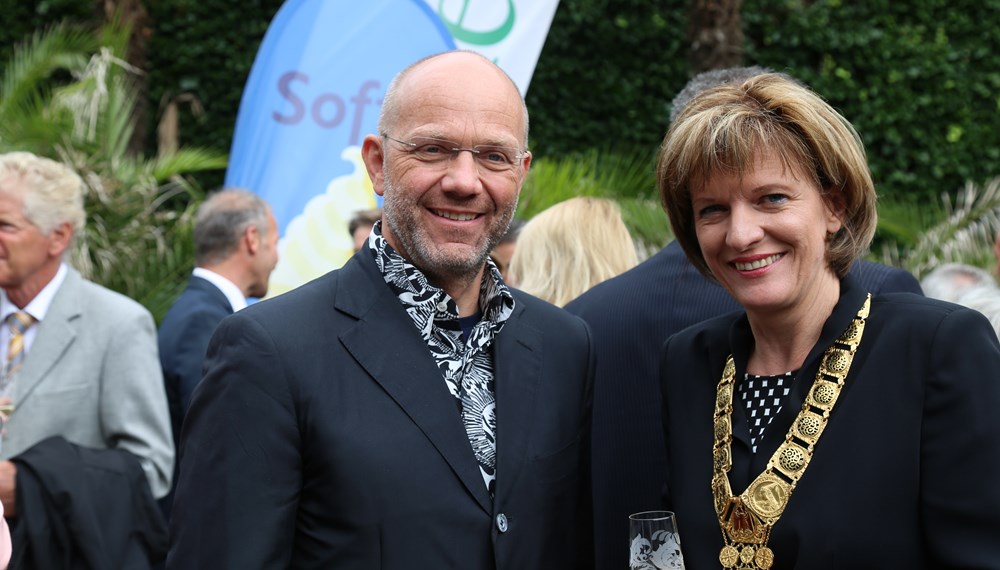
55	333
743	470
390	349
517	365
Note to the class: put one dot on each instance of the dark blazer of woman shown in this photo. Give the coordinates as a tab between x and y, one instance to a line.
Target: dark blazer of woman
906	472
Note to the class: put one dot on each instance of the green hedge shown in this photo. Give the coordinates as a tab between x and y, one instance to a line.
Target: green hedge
205	48
22	18
920	79
606	75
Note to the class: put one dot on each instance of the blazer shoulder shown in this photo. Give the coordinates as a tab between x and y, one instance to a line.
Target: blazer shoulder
302	304
639	280
536	310
97	299
198	301
203	291
910	311
899	304
879	278
535	318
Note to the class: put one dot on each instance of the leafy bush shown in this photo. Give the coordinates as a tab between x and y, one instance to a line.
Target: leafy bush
137	237
606	75
22	18
918	79
205	49
625	178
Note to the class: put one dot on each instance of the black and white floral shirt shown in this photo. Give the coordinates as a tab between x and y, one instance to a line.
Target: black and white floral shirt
467	365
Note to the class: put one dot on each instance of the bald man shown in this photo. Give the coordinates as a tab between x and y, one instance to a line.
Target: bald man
409	410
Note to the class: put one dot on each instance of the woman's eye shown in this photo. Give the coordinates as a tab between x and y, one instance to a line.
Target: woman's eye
709	210
776	198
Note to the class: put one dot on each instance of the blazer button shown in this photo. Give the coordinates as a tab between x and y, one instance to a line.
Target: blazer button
502	522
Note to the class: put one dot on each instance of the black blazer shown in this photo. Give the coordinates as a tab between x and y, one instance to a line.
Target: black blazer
84	508
631	316
324	436
904	475
183	339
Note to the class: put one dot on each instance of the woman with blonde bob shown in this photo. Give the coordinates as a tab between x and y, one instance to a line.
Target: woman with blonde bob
570	247
821	428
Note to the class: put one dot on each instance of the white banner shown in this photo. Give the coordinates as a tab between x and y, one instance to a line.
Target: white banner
509	32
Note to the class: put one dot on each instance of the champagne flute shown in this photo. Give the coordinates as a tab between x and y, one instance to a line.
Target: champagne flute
654	542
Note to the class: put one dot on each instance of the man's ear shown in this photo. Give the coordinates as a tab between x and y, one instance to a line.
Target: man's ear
373	153
251	237
526	163
60	239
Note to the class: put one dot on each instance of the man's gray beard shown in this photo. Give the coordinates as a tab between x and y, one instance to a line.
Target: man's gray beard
421	252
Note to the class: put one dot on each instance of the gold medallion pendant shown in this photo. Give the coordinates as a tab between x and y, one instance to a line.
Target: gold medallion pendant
746	520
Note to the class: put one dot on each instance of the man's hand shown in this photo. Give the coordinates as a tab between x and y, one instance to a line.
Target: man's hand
8	486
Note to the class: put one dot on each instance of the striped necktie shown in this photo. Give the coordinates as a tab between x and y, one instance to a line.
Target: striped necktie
18	323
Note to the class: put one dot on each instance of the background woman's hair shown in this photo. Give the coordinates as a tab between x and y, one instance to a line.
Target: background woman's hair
570	247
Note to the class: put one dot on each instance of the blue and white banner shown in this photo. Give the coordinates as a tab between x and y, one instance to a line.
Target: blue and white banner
314	92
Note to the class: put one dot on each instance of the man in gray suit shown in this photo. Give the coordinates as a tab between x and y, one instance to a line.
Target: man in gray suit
82	363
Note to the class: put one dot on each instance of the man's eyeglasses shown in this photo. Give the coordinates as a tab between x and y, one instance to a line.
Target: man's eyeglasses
437	151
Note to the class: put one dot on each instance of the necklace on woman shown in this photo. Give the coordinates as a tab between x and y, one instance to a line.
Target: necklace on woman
746	520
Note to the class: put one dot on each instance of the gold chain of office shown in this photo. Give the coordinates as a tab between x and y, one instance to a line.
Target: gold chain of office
747	520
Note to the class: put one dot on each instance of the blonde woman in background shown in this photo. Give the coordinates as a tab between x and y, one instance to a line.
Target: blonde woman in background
570	247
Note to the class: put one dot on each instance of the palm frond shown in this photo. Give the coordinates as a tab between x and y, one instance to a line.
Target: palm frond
189	160
647	222
965	235
30	67
626	177
140	211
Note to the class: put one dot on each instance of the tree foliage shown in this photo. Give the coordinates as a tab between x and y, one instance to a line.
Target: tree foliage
204	49
606	75
69	95
920	80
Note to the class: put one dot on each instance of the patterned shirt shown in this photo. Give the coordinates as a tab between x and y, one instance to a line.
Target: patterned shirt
465	364
763	397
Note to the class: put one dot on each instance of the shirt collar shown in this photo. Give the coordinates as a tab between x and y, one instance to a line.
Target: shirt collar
233	294
423	299
39	306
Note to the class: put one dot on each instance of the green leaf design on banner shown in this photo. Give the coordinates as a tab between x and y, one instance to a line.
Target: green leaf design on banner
473	37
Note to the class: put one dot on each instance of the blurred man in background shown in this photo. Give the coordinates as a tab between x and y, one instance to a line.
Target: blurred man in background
361	224
88	420
236	249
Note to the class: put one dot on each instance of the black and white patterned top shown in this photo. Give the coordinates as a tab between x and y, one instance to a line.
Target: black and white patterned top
466	364
762	397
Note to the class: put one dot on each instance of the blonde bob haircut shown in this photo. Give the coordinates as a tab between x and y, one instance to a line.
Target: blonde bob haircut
728	129
570	247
